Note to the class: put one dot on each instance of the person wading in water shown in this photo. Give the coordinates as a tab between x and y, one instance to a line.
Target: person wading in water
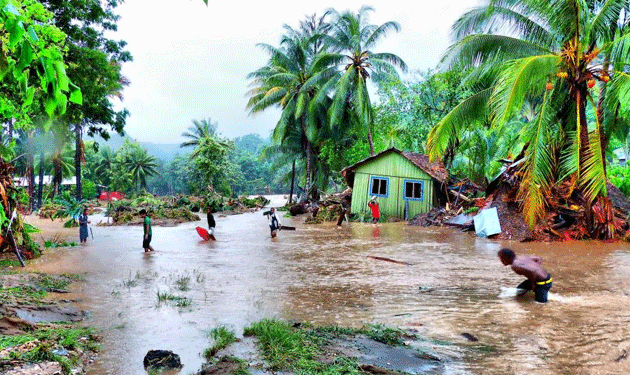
274	223
148	231
538	279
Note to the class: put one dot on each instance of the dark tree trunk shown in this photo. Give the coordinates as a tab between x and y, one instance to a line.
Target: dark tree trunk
40	188
292	183
57	175
30	171
11	121
78	157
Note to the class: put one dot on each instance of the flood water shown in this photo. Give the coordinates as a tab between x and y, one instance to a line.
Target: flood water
323	274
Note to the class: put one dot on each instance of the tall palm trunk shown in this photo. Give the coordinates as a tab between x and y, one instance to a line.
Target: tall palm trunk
78	158
604	138
309	167
292	182
40	188
370	142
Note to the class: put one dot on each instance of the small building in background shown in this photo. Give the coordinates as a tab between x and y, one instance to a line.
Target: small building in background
621	156
405	183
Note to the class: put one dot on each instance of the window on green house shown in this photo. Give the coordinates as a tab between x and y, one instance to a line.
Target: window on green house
413	190
379	186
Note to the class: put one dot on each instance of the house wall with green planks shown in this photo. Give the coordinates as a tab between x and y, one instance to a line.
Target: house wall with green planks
398	174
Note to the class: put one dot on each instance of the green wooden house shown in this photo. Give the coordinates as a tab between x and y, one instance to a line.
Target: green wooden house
405	183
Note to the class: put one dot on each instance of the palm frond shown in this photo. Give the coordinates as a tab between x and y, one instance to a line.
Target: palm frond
380	32
538	166
593	177
471	111
476	49
619	52
484	19
341	96
608	16
391	59
521	77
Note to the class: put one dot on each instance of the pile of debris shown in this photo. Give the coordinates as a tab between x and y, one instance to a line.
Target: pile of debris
568	214
332	207
14	232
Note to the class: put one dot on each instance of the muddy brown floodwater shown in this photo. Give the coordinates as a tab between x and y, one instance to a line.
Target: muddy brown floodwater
323	274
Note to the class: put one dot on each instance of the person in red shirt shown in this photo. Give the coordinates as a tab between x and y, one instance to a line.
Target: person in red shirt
376	212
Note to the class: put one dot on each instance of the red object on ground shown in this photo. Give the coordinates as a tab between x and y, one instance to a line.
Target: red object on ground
204	234
376	212
111	196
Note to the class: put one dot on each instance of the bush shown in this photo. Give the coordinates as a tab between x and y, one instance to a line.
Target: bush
620	177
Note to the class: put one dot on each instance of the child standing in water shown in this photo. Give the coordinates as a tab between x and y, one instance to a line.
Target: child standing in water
148	232
376	212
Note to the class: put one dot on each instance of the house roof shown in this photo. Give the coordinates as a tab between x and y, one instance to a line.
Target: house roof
434	169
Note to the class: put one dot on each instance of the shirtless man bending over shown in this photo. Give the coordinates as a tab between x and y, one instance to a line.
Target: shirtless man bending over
538	279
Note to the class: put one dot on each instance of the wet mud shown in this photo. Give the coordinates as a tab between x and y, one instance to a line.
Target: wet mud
449	286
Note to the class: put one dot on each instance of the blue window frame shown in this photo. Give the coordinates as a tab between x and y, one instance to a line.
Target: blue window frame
379	186
413	190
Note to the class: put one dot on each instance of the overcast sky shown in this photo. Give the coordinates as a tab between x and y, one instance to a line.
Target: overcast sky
191	61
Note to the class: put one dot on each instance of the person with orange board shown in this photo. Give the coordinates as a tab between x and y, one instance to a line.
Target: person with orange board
376	212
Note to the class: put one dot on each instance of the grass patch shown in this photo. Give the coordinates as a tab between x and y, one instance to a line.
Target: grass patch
169	297
72	339
183	302
299	347
222	337
286	348
5	263
182	283
9	341
165	296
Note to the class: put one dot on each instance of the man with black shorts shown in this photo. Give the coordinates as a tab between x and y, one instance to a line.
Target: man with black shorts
148	232
538	279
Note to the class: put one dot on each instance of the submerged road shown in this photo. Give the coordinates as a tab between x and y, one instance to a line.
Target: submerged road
445	283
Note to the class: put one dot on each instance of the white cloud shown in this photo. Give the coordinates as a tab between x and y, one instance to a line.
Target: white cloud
191	61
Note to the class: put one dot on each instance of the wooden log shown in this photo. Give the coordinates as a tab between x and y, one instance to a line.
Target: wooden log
460	196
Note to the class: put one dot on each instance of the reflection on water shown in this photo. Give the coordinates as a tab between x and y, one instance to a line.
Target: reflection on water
321	273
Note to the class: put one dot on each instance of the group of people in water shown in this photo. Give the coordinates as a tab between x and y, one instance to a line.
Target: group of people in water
537	278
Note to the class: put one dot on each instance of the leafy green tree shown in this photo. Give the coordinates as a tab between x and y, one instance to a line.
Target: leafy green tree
562	56
351	42
94	63
210	156
407	110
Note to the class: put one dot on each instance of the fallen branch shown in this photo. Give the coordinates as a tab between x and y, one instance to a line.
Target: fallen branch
389	260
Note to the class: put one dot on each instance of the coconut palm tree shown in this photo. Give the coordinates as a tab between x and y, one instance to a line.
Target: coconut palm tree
198	130
568	57
106	161
141	165
351	41
291	81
